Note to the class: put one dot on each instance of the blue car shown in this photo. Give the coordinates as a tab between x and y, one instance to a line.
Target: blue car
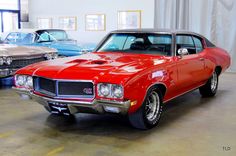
52	38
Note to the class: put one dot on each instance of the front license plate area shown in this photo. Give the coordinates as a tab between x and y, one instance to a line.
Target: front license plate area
59	108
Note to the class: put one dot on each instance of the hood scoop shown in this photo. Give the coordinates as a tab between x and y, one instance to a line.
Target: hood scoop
78	61
99	62
95	62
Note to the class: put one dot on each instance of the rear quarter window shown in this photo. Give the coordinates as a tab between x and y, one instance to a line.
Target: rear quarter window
198	44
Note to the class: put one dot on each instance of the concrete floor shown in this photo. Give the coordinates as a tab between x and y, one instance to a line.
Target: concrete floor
191	125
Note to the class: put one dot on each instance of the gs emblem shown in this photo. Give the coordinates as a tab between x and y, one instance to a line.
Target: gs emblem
88	91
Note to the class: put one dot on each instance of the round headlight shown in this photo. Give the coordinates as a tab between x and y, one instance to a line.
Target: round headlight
8	60
29	82
20	80
117	91
104	89
48	56
1	61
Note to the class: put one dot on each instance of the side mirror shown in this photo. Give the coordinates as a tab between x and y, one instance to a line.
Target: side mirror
183	51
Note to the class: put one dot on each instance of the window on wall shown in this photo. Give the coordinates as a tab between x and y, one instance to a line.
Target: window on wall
44	23
9	4
10	21
9	12
68	23
95	22
129	19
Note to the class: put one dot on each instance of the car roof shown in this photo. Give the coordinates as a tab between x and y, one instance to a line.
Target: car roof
33	30
151	30
50	30
23	30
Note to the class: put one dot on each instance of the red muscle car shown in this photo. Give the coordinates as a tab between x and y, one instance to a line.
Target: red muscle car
131	72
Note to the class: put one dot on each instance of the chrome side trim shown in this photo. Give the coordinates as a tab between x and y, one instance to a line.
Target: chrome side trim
183	93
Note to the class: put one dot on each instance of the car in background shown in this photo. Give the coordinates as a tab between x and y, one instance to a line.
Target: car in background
131	72
13	57
52	38
1	41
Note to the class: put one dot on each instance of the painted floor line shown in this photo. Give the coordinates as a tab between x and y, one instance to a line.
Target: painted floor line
7	134
55	151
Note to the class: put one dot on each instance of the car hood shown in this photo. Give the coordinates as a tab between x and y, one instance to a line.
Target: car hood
96	66
66	45
14	50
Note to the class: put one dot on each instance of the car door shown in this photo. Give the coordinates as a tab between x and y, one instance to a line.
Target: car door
191	66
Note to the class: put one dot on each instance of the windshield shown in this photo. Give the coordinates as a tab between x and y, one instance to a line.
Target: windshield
141	43
20	38
52	35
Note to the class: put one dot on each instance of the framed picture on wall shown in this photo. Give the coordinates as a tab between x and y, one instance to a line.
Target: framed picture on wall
130	19
95	22
68	23
44	23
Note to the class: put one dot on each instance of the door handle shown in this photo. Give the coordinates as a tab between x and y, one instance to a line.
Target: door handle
201	59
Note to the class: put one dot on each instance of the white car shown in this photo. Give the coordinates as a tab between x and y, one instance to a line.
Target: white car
13	57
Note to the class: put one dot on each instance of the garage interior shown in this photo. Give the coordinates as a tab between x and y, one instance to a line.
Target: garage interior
190	125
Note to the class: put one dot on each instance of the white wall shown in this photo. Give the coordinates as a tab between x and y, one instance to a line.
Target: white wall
79	8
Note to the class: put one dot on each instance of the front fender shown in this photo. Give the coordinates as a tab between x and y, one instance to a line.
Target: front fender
137	88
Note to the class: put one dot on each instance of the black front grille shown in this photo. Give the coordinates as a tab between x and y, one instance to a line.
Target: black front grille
47	86
21	63
73	89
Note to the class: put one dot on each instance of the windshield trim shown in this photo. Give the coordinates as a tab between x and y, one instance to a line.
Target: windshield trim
106	38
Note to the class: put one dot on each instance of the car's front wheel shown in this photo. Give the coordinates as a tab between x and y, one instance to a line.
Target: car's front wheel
148	115
210	88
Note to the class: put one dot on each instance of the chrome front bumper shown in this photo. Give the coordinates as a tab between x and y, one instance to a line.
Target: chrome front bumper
96	106
7	72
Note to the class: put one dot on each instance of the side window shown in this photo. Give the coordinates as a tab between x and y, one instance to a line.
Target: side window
58	35
198	44
185	41
28	39
15	37
12	37
44	37
161	39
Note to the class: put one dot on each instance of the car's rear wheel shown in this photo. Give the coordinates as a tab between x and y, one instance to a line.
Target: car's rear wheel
148	115
210	88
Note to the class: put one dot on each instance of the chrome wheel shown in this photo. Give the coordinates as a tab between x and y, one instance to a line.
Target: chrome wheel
149	114
210	88
152	106
214	82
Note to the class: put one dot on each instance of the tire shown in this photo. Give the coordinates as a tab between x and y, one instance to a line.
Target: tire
210	88
148	116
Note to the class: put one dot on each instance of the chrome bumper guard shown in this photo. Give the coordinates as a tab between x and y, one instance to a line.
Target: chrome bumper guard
96	106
